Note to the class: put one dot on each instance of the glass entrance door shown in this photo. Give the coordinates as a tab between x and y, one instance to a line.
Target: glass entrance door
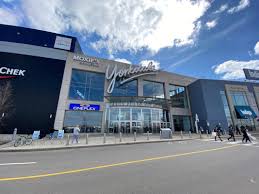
156	127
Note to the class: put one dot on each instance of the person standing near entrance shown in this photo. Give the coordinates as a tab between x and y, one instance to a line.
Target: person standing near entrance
76	132
231	132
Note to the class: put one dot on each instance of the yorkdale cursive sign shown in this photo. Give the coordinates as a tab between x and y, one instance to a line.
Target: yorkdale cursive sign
125	75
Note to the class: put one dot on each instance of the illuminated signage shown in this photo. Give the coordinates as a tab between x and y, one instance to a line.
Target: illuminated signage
6	72
126	75
87	60
84	107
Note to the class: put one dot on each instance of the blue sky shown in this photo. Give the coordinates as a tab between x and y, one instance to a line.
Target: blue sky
203	38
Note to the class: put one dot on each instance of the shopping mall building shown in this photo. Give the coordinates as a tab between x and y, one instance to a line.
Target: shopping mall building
56	85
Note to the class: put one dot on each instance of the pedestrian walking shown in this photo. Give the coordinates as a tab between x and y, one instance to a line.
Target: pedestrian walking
76	132
245	135
217	130
231	133
238	132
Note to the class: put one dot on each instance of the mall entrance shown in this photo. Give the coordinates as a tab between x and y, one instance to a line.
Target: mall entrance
136	119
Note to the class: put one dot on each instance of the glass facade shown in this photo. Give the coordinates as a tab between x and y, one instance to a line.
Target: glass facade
182	123
239	98
86	86
178	96
153	89
89	121
126	89
226	107
130	119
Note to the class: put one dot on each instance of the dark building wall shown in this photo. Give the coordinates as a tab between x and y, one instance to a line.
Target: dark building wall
207	103
36	94
206	100
197	101
33	37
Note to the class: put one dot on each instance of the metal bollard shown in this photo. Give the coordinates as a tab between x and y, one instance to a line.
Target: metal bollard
104	138
200	135
190	134
207	132
120	137
135	136
171	134
86	138
181	134
147	135
68	139
160	134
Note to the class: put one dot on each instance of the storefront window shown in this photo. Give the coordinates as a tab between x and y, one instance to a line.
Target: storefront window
114	114
153	89
226	107
86	86
182	123
89	121
125	114
136	114
239	98
126	89
178	96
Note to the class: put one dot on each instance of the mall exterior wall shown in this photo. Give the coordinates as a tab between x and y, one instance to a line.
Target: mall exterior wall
206	100
35	95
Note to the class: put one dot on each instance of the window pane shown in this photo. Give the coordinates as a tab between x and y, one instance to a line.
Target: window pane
125	114
178	96
77	93
126	89
153	89
89	121
114	114
136	114
86	86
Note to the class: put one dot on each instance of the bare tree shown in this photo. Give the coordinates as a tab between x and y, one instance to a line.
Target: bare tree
6	102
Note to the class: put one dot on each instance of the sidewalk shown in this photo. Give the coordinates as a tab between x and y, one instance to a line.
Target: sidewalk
93	141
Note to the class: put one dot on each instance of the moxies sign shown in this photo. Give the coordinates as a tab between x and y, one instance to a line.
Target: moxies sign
125	75
251	74
86	60
6	72
73	106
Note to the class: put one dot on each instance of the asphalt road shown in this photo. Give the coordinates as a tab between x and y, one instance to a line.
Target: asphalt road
190	167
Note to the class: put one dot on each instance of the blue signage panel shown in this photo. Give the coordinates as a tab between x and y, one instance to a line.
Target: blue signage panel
251	74
84	107
245	112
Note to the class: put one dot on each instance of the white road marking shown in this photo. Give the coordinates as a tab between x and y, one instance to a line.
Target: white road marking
17	163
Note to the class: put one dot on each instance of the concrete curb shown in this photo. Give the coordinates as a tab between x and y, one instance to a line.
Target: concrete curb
97	145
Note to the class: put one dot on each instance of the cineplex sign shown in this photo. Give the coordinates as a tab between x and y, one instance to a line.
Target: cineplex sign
125	75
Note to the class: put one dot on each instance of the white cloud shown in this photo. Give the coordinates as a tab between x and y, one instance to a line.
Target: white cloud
234	69
9	16
121	25
211	24
146	62
256	48
122	60
242	5
221	9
